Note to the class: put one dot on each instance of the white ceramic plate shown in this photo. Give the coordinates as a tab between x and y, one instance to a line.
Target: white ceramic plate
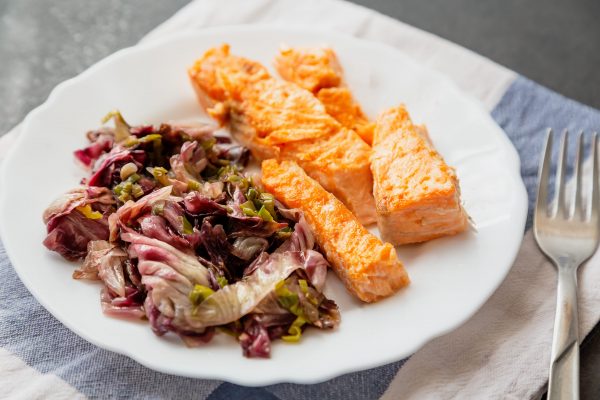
451	277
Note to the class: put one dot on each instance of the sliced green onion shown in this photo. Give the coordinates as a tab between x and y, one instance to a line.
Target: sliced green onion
125	189
124	197
268	200
88	212
265	215
158	208
248	209
199	293
284	233
193	185
252	194
233	179
137	191
160	174
133	178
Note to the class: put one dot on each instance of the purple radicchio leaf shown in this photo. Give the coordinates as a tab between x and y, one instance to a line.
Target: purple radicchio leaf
155	226
197	204
189	163
255	340
129	306
88	155
70	229
131	211
107	173
240	298
169	275
240	226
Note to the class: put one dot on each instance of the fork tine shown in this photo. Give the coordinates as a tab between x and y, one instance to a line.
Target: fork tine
578	211
541	206
560	204
595	190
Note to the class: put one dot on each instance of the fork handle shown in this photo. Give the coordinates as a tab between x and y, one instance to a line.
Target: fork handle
564	367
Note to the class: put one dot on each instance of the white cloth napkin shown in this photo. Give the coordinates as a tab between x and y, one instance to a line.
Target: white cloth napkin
503	350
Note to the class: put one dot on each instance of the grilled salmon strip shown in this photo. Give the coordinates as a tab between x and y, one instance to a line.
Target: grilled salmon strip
278	119
318	70
417	194
369	268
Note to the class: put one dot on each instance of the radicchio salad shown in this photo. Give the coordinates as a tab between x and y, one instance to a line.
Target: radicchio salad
179	235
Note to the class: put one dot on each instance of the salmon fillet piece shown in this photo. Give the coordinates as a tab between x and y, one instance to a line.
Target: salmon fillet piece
318	70
417	194
340	104
278	119
222	76
369	268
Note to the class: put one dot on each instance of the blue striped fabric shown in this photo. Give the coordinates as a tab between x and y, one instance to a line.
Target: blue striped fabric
30	332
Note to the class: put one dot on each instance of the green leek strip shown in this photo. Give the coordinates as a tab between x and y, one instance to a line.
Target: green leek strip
222	281
286	298
234	179
268	201
150	138
123	190
199	293
133	178
304	288
303	285
208	144
265	215
193	185
124	197
88	212
295	330
137	191
248	209
131	141
121	127
252	194
187	226
160	174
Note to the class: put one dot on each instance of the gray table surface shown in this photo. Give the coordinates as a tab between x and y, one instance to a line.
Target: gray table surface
554	42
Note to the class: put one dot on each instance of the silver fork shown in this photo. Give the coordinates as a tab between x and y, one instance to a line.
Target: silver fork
568	236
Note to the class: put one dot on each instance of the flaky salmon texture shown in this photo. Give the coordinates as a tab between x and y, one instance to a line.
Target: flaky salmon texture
417	194
279	119
369	268
318	70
